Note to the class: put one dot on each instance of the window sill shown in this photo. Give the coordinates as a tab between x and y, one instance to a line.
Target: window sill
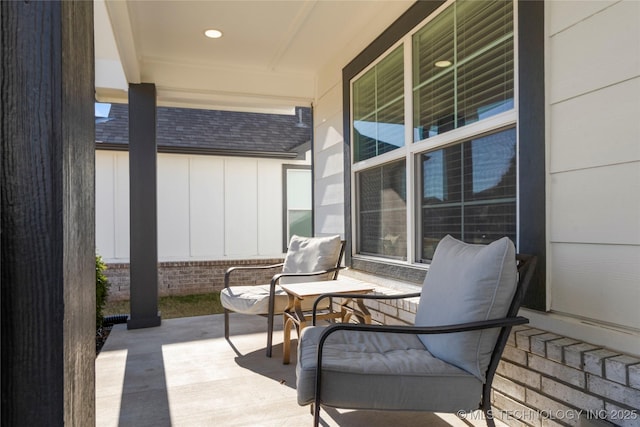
389	271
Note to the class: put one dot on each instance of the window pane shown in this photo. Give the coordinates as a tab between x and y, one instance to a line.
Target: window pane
490	166
469	191
382	211
433	97
378	108
442	175
297	199
475	38
364	96
433	43
442	194
299	223
485	54
485	84
490	195
299	189
434	108
390	78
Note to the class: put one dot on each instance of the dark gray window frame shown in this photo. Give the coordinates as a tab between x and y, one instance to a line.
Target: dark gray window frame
531	130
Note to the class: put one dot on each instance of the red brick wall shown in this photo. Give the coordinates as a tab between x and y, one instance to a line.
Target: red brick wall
546	379
191	277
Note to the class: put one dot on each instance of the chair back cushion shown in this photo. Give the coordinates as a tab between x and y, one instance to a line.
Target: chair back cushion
310	254
467	283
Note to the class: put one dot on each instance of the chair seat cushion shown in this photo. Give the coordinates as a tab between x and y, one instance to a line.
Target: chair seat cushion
365	370
255	300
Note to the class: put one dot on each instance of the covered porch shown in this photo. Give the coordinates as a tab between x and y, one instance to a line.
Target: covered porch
184	373
579	207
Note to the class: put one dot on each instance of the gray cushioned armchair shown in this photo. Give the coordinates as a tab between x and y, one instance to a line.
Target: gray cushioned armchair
446	361
308	259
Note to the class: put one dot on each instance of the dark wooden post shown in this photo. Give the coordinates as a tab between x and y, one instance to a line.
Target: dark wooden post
47	213
143	207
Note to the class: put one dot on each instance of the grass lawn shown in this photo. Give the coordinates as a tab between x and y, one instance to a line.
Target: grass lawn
175	306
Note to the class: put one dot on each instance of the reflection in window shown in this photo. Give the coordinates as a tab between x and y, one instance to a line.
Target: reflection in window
300	223
378	108
469	191
463	67
297	203
382	211
462	72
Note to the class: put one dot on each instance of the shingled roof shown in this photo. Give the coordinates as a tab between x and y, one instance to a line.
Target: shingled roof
212	131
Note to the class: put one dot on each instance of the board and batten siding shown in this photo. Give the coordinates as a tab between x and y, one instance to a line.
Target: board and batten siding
209	207
593	140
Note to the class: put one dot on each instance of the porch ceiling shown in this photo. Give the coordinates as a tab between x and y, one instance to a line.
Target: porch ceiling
268	59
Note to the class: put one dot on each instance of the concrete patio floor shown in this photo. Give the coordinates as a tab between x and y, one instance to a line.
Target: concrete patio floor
184	373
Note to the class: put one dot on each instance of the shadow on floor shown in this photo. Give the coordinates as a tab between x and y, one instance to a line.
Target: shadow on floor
185	373
270	367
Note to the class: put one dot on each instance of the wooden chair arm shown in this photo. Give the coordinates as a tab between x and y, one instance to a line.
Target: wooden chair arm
359	296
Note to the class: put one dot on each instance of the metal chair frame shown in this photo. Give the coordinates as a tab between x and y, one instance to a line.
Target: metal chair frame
526	268
275	280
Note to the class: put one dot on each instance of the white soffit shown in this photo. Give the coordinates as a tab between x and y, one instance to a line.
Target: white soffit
268	58
109	72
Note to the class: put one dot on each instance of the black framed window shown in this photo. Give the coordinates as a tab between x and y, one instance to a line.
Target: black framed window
462	74
479	47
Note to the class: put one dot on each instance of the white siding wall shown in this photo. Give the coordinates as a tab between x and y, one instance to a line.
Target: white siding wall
270	211
173	206
329	163
593	112
327	120
207	203
209	207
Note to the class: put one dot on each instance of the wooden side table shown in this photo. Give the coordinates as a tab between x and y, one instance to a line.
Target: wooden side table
298	292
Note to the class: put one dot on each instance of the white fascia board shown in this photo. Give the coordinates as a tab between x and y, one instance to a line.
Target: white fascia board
118	12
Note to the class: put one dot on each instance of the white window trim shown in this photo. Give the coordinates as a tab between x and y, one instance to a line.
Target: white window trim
411	150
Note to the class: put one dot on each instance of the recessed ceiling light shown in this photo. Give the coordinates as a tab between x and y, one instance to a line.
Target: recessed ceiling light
213	34
443	64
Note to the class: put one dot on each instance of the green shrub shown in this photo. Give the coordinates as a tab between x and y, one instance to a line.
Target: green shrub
102	290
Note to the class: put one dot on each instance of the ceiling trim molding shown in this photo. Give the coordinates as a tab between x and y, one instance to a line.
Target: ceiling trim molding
297	24
212	100
207	66
230	101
